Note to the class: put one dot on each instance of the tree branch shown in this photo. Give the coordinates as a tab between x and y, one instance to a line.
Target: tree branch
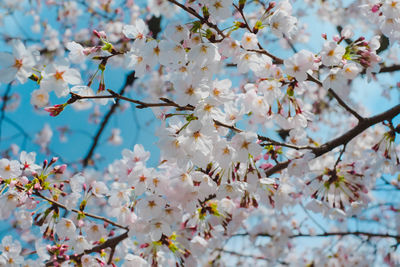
344	138
110	243
355	233
390	68
250	256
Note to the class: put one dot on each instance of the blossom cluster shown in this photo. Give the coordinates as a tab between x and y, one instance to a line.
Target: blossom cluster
219	96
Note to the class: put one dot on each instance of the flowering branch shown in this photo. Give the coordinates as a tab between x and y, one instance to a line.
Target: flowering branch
94	216
202	19
109	243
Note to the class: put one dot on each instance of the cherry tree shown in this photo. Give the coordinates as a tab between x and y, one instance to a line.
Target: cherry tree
270	153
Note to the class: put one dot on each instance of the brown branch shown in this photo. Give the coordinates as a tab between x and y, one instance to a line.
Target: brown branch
390	68
276	143
140	104
356	233
344	138
109	243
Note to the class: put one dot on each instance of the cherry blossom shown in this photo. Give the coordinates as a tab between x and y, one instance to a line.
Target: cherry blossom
271	149
16	65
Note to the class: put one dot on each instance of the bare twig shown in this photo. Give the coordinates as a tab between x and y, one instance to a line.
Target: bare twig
312	218
340	156
235	253
355	233
129	81
5	98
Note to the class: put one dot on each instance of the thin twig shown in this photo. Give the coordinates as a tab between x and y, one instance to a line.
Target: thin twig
5	98
338	98
94	216
340	156
129	81
312	218
202	19
355	233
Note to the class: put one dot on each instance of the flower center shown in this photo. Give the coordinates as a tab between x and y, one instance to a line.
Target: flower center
18	63
59	75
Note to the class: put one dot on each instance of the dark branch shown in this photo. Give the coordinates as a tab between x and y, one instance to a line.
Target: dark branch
355	233
344	138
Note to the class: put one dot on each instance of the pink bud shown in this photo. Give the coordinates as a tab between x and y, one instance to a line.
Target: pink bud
336	38
55	110
53	160
87	51
375	8
37	186
103	34
60	169
145	245
257	158
81	223
362	38
324	36
98	35
272	4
